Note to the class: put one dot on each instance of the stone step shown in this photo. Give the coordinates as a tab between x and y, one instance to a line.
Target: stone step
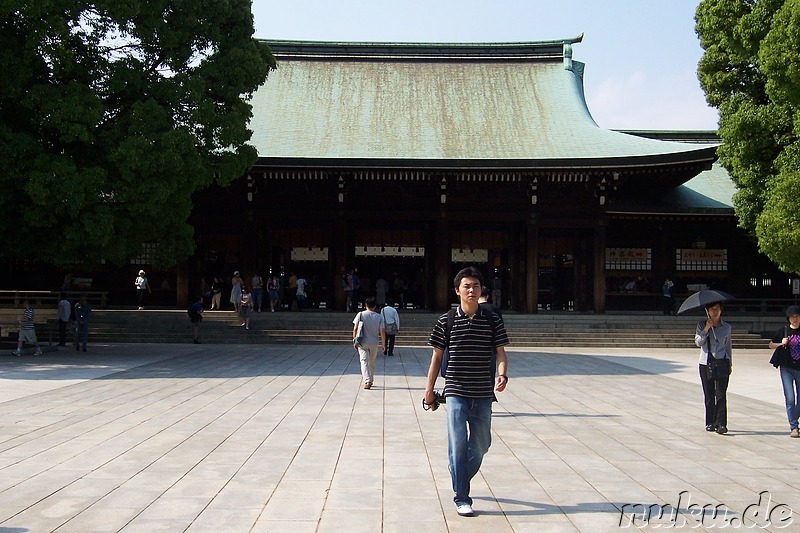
321	327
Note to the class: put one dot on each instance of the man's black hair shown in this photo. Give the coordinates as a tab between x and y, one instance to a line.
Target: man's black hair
370	302
469	272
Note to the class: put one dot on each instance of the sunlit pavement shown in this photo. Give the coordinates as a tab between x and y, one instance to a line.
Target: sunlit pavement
178	437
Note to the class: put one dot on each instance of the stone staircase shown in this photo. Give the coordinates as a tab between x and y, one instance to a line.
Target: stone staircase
325	327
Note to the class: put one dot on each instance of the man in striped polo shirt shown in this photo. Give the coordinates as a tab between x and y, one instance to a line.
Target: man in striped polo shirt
26	331
476	340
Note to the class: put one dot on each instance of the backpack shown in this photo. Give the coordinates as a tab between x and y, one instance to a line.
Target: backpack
451	316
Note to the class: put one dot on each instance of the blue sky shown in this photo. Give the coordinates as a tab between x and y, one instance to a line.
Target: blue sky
641	55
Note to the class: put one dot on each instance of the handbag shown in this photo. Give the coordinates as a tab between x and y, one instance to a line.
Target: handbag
717	368
780	357
359	332
391	327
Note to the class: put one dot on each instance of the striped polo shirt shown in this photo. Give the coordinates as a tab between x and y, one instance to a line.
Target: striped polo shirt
27	319
472	343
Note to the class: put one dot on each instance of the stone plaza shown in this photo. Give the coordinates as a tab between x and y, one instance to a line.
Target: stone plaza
176	437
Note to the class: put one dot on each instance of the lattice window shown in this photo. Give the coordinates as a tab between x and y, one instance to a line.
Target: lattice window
701	259
629	258
147	255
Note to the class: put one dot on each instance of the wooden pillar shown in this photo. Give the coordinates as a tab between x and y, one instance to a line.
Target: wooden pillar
340	256
442	283
600	266
532	267
513	283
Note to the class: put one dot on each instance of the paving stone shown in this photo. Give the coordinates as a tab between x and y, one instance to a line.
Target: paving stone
168	437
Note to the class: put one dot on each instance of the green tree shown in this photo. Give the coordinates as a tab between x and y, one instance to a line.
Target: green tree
112	114
750	71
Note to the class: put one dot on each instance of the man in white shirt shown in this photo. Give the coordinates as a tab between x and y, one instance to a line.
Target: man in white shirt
64	310
391	321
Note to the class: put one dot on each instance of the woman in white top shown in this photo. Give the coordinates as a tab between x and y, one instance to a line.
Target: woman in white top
236	291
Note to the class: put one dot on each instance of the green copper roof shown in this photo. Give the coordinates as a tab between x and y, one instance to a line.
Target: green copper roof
519	104
712	189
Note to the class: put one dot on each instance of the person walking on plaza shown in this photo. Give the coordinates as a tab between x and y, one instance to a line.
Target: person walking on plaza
475	341
142	286
713	337
369	328
27	332
245	306
787	338
83	311
195	312
64	312
391	320
236	291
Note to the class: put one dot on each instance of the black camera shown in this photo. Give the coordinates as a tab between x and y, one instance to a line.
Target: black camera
438	398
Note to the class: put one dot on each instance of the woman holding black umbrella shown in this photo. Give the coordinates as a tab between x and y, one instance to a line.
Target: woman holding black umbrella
713	337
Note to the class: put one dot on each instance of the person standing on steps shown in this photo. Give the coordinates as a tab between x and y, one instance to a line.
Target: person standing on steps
474	339
236	291
83	311
273	286
216	293
64	313
195	312
245	306
257	291
142	286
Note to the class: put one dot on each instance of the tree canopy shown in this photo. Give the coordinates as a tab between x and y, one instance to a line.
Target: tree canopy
112	114
750	71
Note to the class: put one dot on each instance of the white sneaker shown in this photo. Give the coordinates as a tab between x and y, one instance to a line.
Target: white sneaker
16	352
465	509
38	352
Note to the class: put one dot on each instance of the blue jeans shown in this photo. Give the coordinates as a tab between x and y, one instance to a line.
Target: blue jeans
81	334
791	392
469	435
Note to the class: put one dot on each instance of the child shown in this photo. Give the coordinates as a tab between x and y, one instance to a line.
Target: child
27	333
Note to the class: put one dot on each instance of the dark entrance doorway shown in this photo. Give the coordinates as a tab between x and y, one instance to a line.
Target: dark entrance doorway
404	275
566	270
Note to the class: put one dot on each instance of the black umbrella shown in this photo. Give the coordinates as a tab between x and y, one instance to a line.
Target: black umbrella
702	299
